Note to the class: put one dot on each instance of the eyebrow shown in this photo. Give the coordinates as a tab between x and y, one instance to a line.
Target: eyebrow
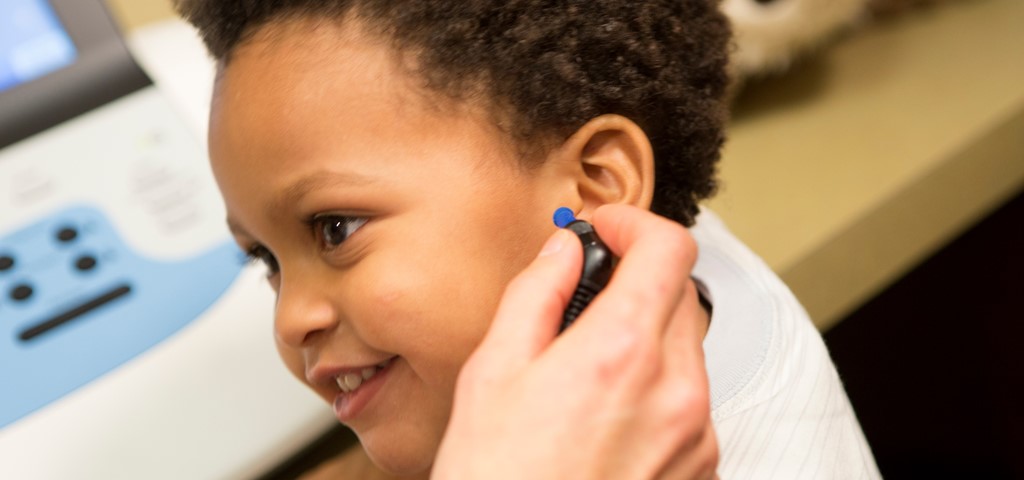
304	185
317	181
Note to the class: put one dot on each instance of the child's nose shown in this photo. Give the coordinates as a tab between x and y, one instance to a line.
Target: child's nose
302	313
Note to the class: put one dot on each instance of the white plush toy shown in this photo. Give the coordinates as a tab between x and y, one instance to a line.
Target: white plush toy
769	34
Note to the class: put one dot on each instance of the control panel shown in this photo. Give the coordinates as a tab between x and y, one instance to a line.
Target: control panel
77	301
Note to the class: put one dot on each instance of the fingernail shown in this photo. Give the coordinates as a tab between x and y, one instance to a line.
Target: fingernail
554	244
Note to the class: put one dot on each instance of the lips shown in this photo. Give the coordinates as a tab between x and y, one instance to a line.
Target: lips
353	387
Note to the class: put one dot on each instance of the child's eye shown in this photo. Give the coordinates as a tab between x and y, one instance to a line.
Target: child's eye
259	253
334	229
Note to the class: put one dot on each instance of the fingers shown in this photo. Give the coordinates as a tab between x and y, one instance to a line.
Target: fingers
657	257
623	330
622	226
684	336
531	309
685	389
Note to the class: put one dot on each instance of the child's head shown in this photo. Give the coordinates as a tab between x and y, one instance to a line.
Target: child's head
396	162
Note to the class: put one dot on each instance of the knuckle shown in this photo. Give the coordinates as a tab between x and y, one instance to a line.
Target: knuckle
631	303
696	401
680	247
643	299
619	349
621	344
688	406
630	353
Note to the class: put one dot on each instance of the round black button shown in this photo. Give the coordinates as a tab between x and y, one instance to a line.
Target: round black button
6	262
67	234
21	292
85	262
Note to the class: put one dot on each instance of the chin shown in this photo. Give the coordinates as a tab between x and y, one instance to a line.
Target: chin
405	452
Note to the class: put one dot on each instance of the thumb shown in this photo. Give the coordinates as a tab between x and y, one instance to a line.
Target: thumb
531	309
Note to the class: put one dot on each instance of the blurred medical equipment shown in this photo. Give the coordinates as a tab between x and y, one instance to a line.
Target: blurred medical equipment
135	342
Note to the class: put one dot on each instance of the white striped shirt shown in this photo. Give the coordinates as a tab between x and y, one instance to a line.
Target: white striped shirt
778	406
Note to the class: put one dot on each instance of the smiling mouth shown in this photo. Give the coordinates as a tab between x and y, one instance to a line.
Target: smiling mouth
350	382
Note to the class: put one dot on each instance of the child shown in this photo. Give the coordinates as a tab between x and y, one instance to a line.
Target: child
395	163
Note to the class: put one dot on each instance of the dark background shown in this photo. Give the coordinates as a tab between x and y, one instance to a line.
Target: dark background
934	366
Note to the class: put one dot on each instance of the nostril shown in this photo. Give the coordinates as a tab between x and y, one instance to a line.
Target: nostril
310	337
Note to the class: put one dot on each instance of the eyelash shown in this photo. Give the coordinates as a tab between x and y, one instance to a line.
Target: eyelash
320	226
260	254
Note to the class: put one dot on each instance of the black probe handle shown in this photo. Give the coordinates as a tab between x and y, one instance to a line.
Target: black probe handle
598	264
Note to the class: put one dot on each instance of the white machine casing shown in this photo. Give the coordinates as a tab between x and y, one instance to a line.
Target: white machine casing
212	400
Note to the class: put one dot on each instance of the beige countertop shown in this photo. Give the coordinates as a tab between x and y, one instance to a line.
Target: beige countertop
136	13
863	160
852	168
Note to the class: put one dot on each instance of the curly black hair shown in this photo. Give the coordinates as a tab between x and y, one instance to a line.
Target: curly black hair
552	64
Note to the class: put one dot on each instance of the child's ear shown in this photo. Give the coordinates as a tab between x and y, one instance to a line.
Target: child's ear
615	163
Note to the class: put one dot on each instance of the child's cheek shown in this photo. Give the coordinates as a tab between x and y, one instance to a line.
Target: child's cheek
292	359
424	311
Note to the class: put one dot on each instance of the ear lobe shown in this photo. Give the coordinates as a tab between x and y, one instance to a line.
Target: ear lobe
617	163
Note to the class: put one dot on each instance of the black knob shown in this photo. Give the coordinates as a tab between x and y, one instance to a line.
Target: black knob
6	262
85	263
67	234
21	292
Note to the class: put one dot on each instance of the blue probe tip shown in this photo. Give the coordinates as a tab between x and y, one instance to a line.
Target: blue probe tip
563	217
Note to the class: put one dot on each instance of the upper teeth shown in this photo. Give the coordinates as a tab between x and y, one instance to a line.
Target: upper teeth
349	382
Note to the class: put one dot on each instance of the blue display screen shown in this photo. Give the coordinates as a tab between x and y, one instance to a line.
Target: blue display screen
32	42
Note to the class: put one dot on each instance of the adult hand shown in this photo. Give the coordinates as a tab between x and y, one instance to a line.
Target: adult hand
621	394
